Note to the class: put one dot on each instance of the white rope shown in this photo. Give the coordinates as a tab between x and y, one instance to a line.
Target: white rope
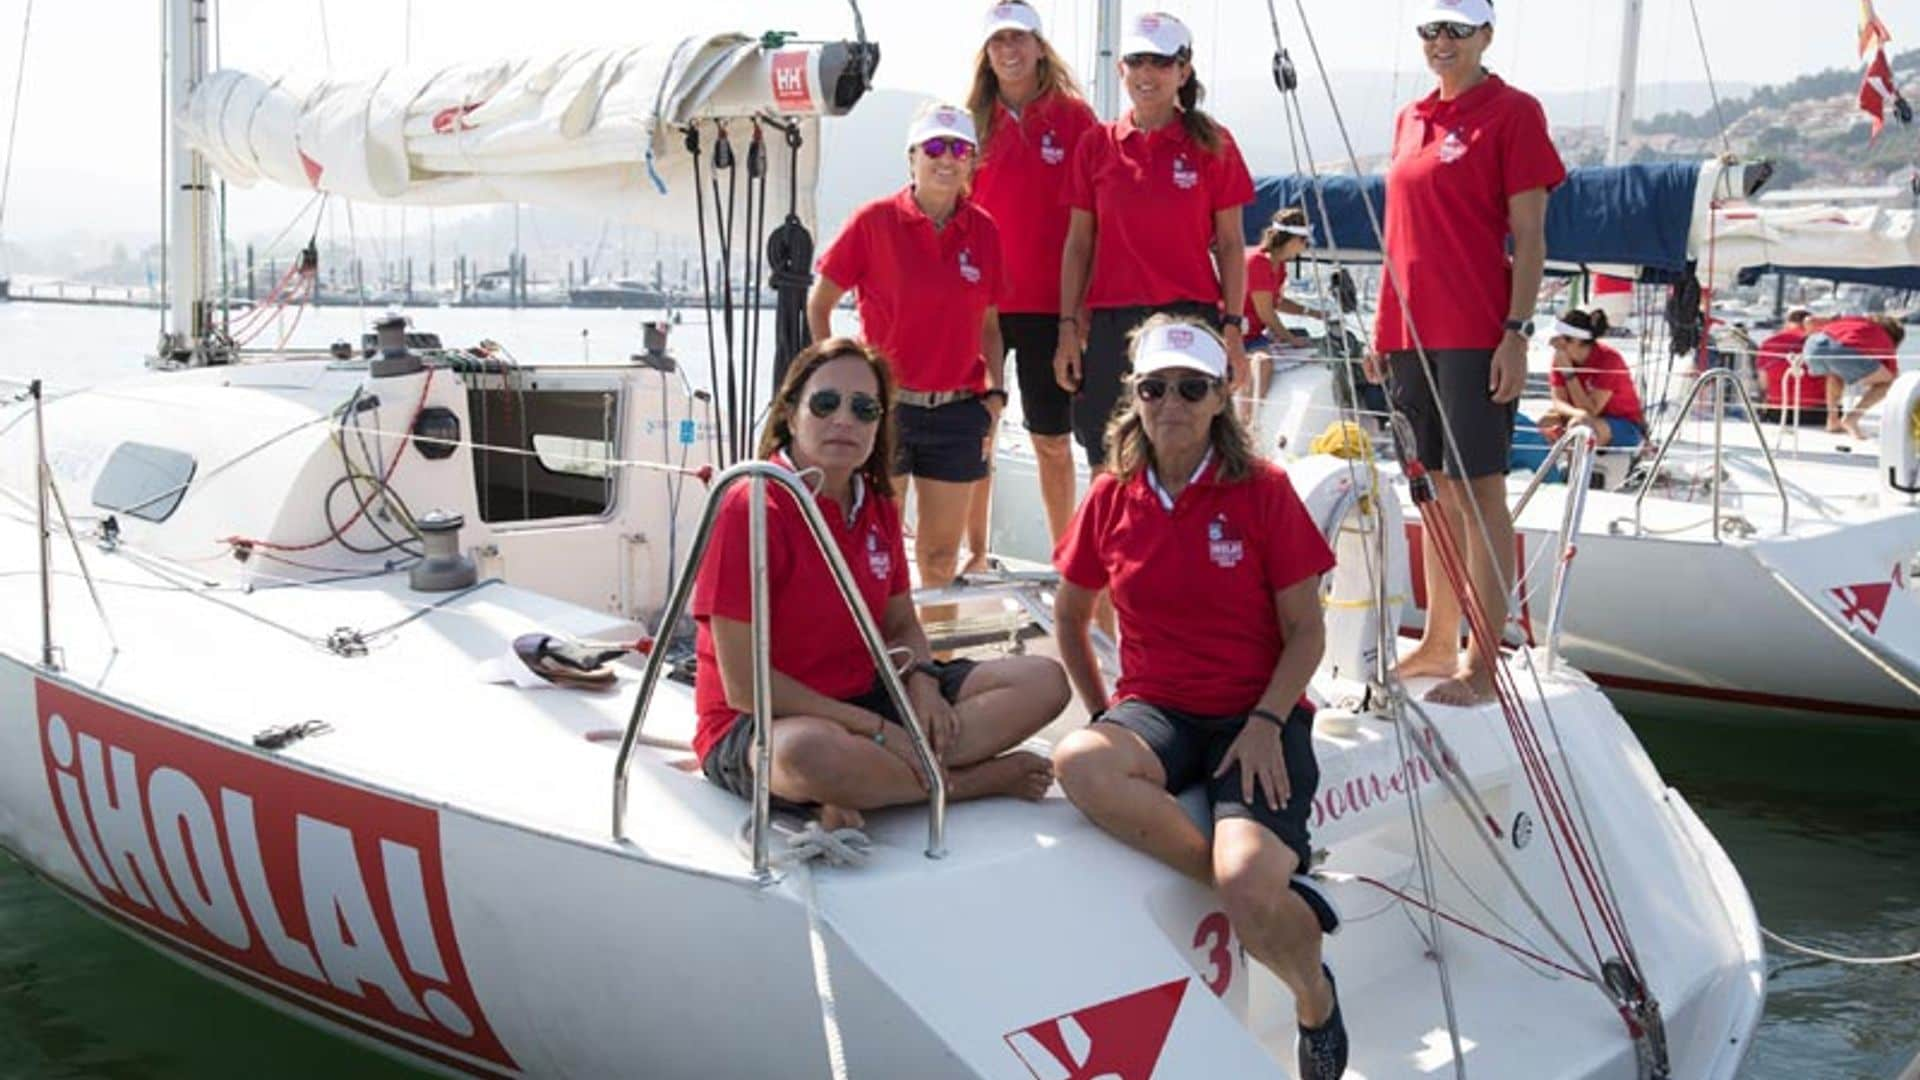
1821	954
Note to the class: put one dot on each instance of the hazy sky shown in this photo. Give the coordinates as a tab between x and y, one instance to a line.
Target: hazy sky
88	131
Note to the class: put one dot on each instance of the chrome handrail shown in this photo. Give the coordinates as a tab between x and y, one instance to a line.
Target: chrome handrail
758	473
40	480
1719	416
1577	446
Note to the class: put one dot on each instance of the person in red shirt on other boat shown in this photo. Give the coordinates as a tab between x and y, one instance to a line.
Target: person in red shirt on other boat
926	263
1030	115
838	743
1214	566
1472	166
1786	381
1156	198
1859	351
1592	385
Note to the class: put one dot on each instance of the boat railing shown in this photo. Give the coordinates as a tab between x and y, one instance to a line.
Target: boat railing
1705	379
1577	446
43	527
757	474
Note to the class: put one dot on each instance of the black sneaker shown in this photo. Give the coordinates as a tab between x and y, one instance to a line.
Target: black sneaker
1321	1052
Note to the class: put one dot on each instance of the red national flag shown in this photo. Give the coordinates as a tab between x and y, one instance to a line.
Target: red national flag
1877	92
1873	32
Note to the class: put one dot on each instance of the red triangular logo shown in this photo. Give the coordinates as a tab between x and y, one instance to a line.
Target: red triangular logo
313	168
1119	1039
1864	604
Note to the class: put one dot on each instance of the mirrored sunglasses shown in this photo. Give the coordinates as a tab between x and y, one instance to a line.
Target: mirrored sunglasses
865	407
1455	31
1152	60
940	147
1192	388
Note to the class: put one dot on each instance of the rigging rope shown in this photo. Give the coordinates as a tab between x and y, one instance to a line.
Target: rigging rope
13	125
1713	89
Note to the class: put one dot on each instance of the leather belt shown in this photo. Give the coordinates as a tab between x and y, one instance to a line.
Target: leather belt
932	399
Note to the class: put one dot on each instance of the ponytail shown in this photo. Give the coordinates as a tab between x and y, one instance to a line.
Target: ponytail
1201	128
1592	320
1893	327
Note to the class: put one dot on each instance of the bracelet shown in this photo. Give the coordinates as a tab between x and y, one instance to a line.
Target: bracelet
879	735
995	392
1269	716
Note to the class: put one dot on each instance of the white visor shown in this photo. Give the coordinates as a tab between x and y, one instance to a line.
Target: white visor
1562	328
1157	33
1304	232
1179	345
1464	12
950	121
1009	17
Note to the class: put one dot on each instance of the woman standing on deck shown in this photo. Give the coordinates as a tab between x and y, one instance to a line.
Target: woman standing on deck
1472	165
1156	198
1030	115
926	262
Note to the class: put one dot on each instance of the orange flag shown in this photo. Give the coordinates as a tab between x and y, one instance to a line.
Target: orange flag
1873	32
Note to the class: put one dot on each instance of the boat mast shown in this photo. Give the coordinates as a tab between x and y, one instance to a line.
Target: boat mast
189	209
1106	56
1620	124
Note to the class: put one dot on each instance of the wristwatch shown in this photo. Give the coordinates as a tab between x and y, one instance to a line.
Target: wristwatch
1523	327
1238	322
994	391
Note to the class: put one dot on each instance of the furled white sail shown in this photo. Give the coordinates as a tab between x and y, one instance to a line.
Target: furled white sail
598	131
1814	237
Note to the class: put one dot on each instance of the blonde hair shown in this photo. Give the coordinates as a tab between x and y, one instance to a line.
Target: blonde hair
1128	448
1052	72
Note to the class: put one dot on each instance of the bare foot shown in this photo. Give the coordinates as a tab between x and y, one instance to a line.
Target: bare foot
1463	690
1021	774
1851	425
1834	427
839	817
1428	660
977	564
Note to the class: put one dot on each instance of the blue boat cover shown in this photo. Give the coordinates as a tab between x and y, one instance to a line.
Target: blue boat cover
1627	215
1893	277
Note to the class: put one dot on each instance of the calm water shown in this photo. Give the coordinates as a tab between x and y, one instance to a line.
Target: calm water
1820	820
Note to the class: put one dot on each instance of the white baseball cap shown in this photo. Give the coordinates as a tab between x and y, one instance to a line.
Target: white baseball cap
1156	32
939	120
1010	17
1465	12
1179	345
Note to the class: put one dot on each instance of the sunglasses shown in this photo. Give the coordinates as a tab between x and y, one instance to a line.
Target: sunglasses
865	407
1193	388
1457	31
1152	60
961	149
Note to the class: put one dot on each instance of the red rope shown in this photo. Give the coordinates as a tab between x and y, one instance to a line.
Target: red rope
1519	950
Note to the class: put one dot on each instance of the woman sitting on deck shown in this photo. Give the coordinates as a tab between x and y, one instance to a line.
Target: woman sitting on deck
838	743
1214	567
1592	385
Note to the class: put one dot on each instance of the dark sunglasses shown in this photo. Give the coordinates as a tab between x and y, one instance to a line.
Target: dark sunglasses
865	407
1147	59
1457	31
961	149
1193	388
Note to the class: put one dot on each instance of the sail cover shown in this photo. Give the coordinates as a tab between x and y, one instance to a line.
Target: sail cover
1867	244
597	131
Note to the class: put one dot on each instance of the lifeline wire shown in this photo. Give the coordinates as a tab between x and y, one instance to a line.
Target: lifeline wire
13	125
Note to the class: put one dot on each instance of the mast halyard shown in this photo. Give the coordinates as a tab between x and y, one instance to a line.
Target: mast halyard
1620	121
189	221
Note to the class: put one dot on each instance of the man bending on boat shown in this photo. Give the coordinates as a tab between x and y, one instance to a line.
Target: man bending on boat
1214	566
838	743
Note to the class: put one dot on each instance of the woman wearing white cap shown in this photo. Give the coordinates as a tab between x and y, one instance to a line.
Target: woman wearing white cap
927	267
1214	566
1472	165
1156	198
1030	115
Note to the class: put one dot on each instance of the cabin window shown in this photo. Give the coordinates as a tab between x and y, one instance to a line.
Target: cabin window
144	481
543	453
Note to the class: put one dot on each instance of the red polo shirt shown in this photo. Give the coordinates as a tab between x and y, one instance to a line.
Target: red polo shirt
812	637
1261	277
1021	179
1775	357
1606	369
1866	337
1153	196
1194	586
923	293
1455	165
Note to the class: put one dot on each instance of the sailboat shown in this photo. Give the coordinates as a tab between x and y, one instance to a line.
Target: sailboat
260	721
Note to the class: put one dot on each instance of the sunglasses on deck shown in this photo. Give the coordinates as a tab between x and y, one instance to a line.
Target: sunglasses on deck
1454	30
1147	59
865	407
961	149
1193	388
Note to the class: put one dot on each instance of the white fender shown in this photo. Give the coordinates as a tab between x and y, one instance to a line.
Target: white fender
1900	434
1355	509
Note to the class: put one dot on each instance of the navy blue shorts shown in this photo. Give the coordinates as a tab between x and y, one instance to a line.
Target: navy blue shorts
1191	746
1482	430
1032	339
948	443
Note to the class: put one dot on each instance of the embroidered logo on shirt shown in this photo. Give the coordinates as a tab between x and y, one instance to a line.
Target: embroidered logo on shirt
1452	148
1224	545
1051	151
1185	176
969	272
879	559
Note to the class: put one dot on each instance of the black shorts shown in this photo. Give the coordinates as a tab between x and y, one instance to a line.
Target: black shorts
1032	339
948	443
1106	364
1482	430
729	762
1190	748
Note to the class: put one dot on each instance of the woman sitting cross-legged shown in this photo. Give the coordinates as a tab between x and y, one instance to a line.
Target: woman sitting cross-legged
1214	566
838	743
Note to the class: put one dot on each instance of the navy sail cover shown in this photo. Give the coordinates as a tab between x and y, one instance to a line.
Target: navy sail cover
1632	215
